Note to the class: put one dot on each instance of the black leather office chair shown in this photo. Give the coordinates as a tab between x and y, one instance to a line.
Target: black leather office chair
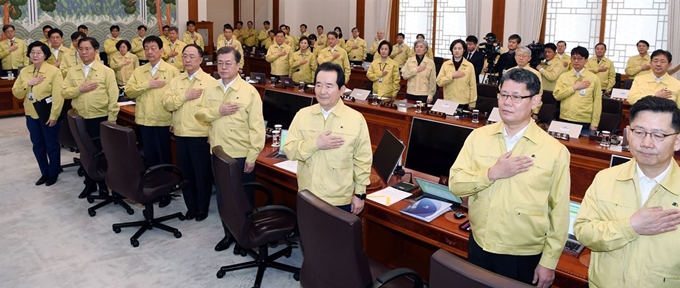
94	164
66	139
333	250
447	269
252	227
627	83
612	114
127	176
487	97
617	80
550	110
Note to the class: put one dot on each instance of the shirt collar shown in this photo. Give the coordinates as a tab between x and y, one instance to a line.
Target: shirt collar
225	87
659	79
156	67
337	110
579	73
531	132
641	175
669	183
192	76
519	133
89	66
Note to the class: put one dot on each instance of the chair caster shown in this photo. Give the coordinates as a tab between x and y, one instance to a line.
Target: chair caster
288	253
134	242
181	218
177	234
130	211
220	274
90	200
116	229
296	276
81	172
91	212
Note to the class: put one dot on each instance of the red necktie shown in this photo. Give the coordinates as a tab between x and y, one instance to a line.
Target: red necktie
11	42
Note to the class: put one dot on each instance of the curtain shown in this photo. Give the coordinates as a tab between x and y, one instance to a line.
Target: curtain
530	20
384	7
473	17
674	38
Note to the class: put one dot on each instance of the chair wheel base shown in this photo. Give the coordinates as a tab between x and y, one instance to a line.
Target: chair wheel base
296	276
220	274
116	229
177	234
134	243
91	212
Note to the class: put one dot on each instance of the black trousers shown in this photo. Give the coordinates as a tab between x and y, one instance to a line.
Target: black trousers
46	148
250	192
193	157
156	144
520	268
93	128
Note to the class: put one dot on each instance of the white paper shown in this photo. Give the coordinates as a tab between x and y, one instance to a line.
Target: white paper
388	196
126	103
348	90
288	165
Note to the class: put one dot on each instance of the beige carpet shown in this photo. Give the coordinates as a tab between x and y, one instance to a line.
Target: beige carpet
47	239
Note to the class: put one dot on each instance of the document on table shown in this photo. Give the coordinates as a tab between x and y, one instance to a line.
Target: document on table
388	196
288	165
126	103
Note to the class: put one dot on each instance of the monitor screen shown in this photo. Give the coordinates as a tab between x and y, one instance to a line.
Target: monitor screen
387	154
434	146
618	160
437	191
281	107
573	211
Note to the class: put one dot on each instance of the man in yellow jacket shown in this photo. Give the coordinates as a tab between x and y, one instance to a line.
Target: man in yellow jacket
59	51
334	53
603	68
233	109
551	68
658	83
138	45
321	41
250	35
401	52
331	143
110	43
148	85
639	65
517	181
629	216
191	36
356	48
182	98
277	56
13	50
563	56
172	50
264	33
228	39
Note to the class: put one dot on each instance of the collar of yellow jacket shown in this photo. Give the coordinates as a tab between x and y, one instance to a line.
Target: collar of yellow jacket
670	183
199	75
236	84
337	110
652	78
532	133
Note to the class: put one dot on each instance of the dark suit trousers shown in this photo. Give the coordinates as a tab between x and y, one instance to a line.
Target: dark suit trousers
156	144
520	268
193	157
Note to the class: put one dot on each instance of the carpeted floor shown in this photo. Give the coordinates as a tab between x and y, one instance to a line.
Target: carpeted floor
47	239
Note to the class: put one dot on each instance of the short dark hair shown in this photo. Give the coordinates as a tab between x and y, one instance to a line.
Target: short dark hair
550	46
266	22
82	26
457	41
330	66
55	31
662	52
227	50
140	27
319	26
200	50
389	45
239	22
472	38
333	33
250	22
401	34
5	27
276	32
191	22
228	27
311	37
282	26
123	42
173	28
114	27
420	35
598	44
76	35
580	50
657	105
46	27
303	25
340	29
515	37
355	28
562	42
643	42
43	47
166	27
153	39
93	42
303	38
525	76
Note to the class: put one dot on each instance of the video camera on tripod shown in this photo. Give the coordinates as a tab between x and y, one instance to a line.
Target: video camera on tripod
537	53
491	49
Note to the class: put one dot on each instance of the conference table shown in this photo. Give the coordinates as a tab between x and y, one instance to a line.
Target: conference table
9	105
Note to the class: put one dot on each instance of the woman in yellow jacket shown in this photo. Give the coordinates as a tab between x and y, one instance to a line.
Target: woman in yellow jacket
384	72
341	41
40	87
302	63
457	77
420	73
124	63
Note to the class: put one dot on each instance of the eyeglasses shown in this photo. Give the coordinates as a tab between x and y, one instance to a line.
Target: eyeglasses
226	64
659	61
657	137
515	98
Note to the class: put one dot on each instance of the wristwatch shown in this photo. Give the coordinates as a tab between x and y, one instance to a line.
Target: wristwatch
360	196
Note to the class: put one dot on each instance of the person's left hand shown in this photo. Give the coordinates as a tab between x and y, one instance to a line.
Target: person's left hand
51	123
357	205
248	167
543	277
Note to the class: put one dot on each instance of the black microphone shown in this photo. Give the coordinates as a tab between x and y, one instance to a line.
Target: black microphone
401	172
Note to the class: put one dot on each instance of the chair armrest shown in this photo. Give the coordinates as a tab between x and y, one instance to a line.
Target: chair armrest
388	276
166	167
272	208
270	197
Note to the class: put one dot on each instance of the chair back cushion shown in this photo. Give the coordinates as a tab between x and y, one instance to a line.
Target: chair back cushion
235	206
125	165
333	246
446	269
95	167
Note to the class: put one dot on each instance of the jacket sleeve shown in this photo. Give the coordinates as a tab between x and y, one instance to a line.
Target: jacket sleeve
272	55
472	86
396	80
256	130
296	147
636	91
373	72
363	158
558	216
408	71
597	103
57	99
632	67
444	78
611	76
433	83
112	91
465	179
205	112
172	99
563	89
135	87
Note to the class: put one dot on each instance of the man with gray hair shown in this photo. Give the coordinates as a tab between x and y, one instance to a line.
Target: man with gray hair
517	179
523	57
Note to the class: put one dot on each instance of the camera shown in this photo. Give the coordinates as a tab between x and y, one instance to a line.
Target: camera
537	53
491	49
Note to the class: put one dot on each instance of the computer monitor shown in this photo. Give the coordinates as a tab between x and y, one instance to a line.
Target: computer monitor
433	146
387	154
618	160
281	107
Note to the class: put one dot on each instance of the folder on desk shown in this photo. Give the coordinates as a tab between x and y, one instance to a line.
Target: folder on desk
426	209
